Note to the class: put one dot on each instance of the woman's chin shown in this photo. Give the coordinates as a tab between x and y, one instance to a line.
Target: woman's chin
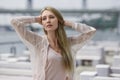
50	29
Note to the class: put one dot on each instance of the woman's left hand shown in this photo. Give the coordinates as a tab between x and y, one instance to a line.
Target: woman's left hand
68	23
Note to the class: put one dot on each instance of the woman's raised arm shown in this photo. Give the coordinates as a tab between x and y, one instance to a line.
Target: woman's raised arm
86	32
19	24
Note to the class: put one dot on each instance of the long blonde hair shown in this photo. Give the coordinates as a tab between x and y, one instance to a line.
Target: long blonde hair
63	43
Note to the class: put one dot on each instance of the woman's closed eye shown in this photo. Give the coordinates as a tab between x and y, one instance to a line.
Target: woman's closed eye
50	17
44	18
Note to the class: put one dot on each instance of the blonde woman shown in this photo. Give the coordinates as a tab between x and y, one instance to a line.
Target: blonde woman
51	54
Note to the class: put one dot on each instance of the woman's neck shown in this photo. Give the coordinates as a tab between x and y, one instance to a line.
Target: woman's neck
52	38
53	41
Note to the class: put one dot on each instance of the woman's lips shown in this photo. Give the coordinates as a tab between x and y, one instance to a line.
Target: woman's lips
49	26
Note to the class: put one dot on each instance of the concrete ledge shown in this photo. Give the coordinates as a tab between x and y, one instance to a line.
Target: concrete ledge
8	77
115	75
15	65
106	78
115	70
87	75
15	72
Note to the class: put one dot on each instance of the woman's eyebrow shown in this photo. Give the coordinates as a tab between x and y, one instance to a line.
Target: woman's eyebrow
48	15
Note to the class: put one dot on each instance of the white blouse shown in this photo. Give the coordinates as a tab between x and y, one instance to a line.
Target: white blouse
39	45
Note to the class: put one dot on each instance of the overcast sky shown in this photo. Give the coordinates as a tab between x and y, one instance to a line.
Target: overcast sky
62	4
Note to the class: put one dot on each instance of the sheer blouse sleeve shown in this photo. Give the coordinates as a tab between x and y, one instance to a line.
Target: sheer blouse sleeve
26	36
85	34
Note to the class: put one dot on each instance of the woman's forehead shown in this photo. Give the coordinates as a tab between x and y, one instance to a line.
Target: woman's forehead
47	12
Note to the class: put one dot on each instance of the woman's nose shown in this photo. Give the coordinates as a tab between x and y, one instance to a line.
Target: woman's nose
48	20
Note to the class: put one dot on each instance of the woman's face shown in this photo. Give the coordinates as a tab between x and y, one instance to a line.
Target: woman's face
49	21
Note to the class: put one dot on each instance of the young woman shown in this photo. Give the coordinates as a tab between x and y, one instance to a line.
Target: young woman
52	54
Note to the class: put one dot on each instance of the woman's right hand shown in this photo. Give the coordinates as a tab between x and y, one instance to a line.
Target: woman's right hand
38	19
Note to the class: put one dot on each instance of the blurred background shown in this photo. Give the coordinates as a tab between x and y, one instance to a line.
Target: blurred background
104	15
